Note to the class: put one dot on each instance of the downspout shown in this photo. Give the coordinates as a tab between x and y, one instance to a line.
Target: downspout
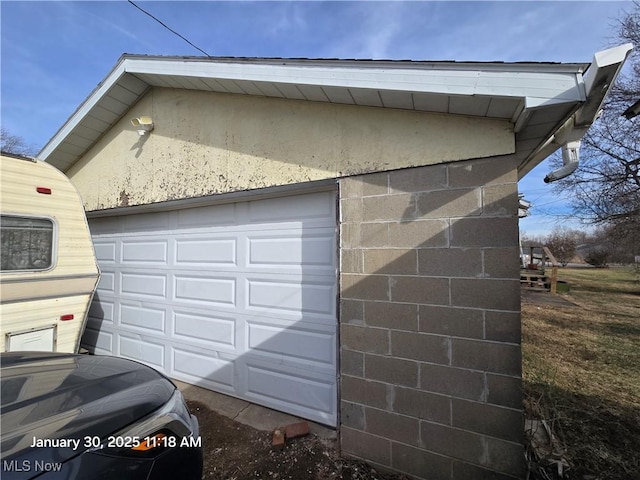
568	138
570	160
597	81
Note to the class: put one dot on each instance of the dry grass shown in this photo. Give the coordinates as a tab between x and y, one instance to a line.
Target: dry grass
581	369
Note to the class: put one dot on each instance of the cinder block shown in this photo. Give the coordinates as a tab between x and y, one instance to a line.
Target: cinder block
500	199
492	453
349	235
398	316
501	262
499	455
503	326
365	339
419	179
374	235
352	415
366	392
364	287
388	207
504	390
422	405
351	363
352	312
499	422
450	262
451	442
485	171
390	261
391	370
419	234
364	235
375	184
453	321
448	203
466	470
363	445
350	187
419	463
434	291
351	210
351	260
420	346
393	426
486	293
452	381
485	356
484	232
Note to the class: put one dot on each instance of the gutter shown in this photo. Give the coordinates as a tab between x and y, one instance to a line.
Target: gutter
598	80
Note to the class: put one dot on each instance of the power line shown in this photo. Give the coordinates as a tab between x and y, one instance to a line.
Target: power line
168	28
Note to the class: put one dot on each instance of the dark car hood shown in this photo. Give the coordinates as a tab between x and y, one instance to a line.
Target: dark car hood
66	397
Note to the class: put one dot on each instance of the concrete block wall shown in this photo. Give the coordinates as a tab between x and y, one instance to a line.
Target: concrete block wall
430	320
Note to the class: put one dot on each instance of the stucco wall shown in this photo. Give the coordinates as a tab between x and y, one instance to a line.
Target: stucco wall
430	320
206	143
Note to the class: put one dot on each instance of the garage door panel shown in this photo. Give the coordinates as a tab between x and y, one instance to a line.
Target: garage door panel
142	349
203	369
145	284
144	222
239	298
290	295
210	251
106	225
283	210
143	317
300	342
291	390
201	289
144	252
291	249
209	331
107	282
102	311
209	216
100	340
105	252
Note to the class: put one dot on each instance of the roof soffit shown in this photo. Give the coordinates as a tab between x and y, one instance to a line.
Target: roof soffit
507	91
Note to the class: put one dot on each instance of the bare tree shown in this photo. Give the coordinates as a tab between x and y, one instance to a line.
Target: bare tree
562	242
605	190
11	143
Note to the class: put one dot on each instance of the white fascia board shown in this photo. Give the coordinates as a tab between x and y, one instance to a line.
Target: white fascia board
612	56
93	99
471	80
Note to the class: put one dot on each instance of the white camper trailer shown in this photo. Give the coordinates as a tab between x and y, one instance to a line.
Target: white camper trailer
49	270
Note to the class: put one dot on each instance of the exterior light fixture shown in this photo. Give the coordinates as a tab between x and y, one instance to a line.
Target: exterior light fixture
143	124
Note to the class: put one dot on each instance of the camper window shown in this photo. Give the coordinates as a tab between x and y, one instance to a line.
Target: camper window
27	243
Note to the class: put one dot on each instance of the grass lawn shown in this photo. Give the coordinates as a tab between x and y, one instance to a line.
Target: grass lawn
581	371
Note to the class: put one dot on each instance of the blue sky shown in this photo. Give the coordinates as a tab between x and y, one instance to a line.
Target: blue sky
54	53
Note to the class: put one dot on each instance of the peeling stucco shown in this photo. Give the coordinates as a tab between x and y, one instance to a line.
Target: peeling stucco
209	143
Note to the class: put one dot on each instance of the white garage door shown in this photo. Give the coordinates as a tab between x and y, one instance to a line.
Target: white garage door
239	298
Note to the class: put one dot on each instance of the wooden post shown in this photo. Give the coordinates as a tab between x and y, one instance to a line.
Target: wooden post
554	279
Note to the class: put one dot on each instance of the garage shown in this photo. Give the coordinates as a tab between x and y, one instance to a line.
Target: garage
236	297
215	227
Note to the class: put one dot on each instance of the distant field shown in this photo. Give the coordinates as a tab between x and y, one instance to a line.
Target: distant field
581	370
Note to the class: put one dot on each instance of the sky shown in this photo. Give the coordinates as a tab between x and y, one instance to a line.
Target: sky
54	53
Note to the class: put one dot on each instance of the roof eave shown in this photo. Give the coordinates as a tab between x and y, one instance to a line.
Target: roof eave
466	81
598	82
